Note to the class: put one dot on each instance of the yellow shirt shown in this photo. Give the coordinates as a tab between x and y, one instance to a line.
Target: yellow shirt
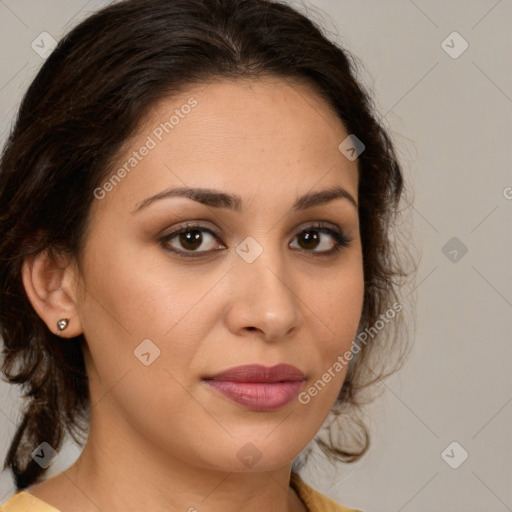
314	501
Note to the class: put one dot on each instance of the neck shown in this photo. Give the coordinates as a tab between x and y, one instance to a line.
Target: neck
121	471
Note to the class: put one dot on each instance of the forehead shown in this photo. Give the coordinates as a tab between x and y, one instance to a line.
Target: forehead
243	112
250	137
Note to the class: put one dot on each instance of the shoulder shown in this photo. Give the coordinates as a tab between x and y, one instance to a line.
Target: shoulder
314	501
23	501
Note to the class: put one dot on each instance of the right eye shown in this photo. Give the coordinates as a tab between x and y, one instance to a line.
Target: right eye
185	241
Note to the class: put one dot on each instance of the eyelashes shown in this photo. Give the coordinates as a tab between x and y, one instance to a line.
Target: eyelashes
190	237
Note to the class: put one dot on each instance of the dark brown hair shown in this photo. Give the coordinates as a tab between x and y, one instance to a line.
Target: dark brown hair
89	97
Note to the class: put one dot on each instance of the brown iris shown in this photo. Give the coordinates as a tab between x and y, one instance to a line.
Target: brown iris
311	239
191	239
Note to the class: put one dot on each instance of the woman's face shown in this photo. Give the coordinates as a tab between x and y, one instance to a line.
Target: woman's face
255	280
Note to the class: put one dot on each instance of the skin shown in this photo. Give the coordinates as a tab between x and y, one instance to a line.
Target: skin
160	439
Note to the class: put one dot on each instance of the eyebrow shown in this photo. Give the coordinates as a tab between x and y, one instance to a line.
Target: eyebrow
217	199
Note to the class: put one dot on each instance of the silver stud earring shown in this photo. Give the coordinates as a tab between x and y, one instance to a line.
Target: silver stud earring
61	325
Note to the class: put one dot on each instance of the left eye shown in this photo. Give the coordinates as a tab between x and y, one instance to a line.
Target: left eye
312	239
312	236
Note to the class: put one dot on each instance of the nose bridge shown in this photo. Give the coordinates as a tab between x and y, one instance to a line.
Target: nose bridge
265	293
263	263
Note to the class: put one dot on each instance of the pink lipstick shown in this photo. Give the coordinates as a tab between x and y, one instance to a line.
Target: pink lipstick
258	387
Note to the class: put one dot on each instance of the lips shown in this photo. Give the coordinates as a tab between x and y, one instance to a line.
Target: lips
259	373
258	387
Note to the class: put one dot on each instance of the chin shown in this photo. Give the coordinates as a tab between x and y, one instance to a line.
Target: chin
258	456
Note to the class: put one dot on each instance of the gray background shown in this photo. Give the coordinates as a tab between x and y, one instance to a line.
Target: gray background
451	119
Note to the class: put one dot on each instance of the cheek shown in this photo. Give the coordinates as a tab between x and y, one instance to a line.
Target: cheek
339	305
139	291
134	295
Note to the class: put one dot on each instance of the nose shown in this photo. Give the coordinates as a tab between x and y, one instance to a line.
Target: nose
264	297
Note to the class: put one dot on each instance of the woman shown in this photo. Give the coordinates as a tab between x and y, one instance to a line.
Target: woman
196	263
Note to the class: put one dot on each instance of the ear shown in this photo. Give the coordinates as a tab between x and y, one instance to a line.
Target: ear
51	286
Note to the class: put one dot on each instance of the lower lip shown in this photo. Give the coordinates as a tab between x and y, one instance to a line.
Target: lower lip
258	396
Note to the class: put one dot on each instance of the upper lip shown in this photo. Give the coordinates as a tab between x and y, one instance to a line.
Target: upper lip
260	373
